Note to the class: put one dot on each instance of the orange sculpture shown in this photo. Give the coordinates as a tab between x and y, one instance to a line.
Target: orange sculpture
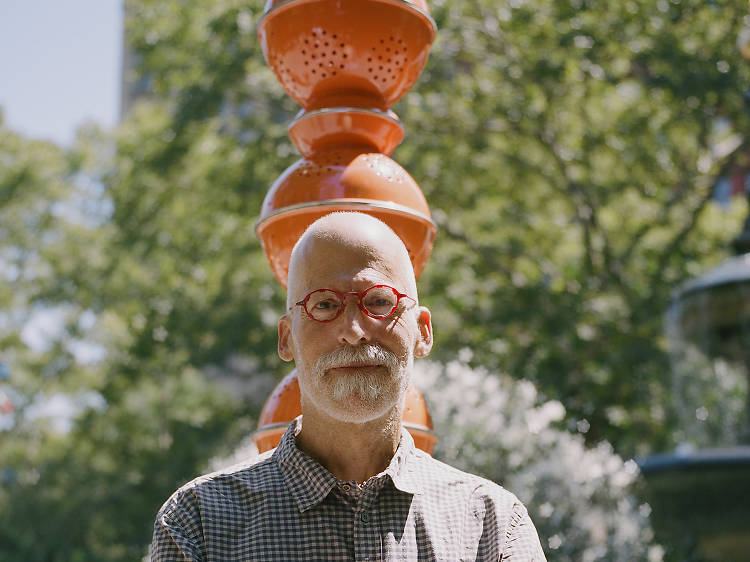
346	63
371	51
283	405
351	178
377	130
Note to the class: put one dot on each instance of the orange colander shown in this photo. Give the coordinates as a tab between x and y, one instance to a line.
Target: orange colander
343	179
346	126
283	405
368	53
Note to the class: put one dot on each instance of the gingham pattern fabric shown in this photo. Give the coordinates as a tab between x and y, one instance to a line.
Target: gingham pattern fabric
285	506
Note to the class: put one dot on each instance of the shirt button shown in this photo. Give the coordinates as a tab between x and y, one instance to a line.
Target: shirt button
346	487
364	517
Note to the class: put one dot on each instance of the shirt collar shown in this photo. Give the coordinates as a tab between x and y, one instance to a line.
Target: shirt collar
309	482
402	469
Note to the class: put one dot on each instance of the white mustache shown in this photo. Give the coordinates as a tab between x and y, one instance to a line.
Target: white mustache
365	354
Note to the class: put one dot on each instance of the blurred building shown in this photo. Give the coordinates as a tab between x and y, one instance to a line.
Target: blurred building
131	86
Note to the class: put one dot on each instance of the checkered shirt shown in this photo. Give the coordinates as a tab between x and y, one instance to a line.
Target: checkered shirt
283	505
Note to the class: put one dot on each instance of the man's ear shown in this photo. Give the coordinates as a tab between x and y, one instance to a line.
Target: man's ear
285	338
424	343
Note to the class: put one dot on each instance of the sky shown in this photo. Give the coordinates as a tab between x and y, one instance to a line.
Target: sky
59	65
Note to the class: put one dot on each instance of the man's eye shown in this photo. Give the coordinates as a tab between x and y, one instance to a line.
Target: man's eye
325	305
380	305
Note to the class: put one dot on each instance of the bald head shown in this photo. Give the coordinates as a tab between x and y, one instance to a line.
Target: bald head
346	240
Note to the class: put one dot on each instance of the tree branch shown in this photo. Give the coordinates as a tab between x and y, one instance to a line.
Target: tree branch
696	212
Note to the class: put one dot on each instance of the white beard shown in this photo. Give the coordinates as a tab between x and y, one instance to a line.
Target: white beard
360	396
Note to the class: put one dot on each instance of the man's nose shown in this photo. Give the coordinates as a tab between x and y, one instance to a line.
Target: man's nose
353	324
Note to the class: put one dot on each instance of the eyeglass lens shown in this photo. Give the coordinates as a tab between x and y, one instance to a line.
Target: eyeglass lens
378	301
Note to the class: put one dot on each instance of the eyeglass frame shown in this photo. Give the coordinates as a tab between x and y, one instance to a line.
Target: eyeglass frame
359	295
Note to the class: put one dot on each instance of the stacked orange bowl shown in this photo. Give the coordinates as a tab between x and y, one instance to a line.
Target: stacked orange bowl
346	64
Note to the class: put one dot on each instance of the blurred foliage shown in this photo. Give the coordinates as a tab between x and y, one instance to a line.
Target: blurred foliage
582	499
567	150
580	140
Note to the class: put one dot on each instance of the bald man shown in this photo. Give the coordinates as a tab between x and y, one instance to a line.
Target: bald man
346	482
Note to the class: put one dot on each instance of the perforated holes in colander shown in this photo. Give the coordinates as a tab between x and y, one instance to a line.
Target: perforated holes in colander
387	60
324	54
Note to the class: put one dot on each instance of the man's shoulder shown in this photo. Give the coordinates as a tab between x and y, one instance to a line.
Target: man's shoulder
448	490
438	477
233	484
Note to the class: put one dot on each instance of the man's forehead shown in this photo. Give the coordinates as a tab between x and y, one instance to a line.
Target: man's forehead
343	247
357	247
338	260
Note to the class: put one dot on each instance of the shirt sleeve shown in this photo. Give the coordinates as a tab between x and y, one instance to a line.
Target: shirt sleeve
521	538
177	532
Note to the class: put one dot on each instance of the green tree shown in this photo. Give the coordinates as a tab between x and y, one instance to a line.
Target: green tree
569	150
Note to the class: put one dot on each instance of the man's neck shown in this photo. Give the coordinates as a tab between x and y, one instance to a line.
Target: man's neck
350	451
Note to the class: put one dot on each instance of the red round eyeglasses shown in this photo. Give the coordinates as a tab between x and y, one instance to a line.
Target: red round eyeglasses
378	301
